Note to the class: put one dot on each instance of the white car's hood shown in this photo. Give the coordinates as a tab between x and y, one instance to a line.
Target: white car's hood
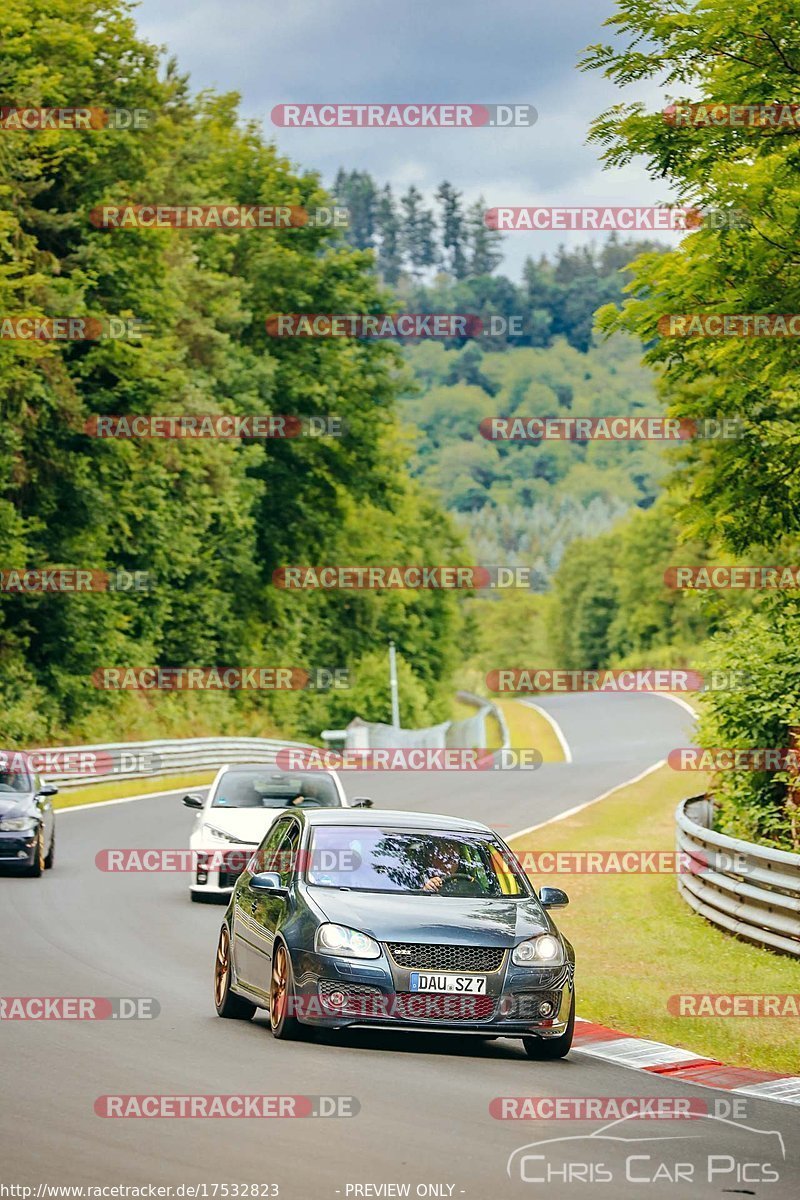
247	824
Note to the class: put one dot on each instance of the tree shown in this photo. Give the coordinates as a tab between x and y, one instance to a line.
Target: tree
417	232
484	243
390	256
356	191
207	519
453	233
748	176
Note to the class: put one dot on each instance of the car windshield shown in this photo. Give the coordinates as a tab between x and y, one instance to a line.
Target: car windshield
262	788
368	859
15	781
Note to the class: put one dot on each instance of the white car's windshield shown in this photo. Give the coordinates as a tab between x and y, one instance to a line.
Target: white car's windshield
275	789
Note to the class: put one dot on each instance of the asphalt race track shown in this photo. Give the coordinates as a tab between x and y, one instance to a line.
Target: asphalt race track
424	1119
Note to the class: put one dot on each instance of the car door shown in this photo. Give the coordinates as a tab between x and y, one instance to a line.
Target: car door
269	907
245	902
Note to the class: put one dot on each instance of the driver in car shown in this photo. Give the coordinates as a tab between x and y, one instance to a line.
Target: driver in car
447	868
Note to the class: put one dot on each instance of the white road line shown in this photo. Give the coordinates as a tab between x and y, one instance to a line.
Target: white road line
580	807
60	812
678	700
557	730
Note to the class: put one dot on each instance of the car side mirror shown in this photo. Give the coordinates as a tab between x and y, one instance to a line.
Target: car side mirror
361	802
268	881
49	789
193	801
550	897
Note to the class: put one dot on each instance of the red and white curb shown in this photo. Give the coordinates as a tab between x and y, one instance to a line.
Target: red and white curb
675	1063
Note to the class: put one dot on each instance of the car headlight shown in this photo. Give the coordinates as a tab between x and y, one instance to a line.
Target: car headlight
222	836
542	951
350	943
23	824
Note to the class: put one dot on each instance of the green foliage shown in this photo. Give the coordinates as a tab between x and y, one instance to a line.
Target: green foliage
740	496
208	520
609	605
743	492
521	502
761	711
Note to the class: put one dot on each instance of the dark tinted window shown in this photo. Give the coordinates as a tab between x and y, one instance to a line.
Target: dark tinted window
15	781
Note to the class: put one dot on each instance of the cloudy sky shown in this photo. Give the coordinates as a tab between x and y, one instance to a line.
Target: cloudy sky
426	51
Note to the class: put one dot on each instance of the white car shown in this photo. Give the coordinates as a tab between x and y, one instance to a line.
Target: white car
241	805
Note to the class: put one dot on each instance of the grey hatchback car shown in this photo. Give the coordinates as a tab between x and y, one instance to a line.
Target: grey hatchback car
395	920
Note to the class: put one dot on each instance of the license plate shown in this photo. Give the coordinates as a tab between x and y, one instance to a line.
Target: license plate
465	985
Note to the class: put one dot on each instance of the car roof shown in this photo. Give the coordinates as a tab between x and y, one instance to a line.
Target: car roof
399	818
273	768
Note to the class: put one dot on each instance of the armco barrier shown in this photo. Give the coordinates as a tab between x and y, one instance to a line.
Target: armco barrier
746	889
150	760
485	706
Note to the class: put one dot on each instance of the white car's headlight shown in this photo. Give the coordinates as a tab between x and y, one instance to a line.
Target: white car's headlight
542	951
350	943
22	824
222	836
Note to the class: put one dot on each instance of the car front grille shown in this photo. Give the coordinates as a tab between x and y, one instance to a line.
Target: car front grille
423	957
433	1006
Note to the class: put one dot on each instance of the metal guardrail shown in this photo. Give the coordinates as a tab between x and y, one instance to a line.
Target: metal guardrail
486	706
151	760
746	889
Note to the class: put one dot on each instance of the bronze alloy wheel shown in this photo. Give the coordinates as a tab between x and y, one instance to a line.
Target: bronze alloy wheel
277	997
222	966
282	1021
227	1002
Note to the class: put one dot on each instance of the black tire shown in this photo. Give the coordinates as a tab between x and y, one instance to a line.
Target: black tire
226	1002
546	1049
51	854
282	1022
39	860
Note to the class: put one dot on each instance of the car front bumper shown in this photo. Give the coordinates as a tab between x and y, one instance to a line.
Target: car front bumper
17	849
340	993
216	869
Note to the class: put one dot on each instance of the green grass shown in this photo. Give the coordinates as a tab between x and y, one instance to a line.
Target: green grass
95	792
637	943
529	729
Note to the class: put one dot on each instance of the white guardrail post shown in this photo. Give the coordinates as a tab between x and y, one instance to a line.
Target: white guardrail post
746	889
